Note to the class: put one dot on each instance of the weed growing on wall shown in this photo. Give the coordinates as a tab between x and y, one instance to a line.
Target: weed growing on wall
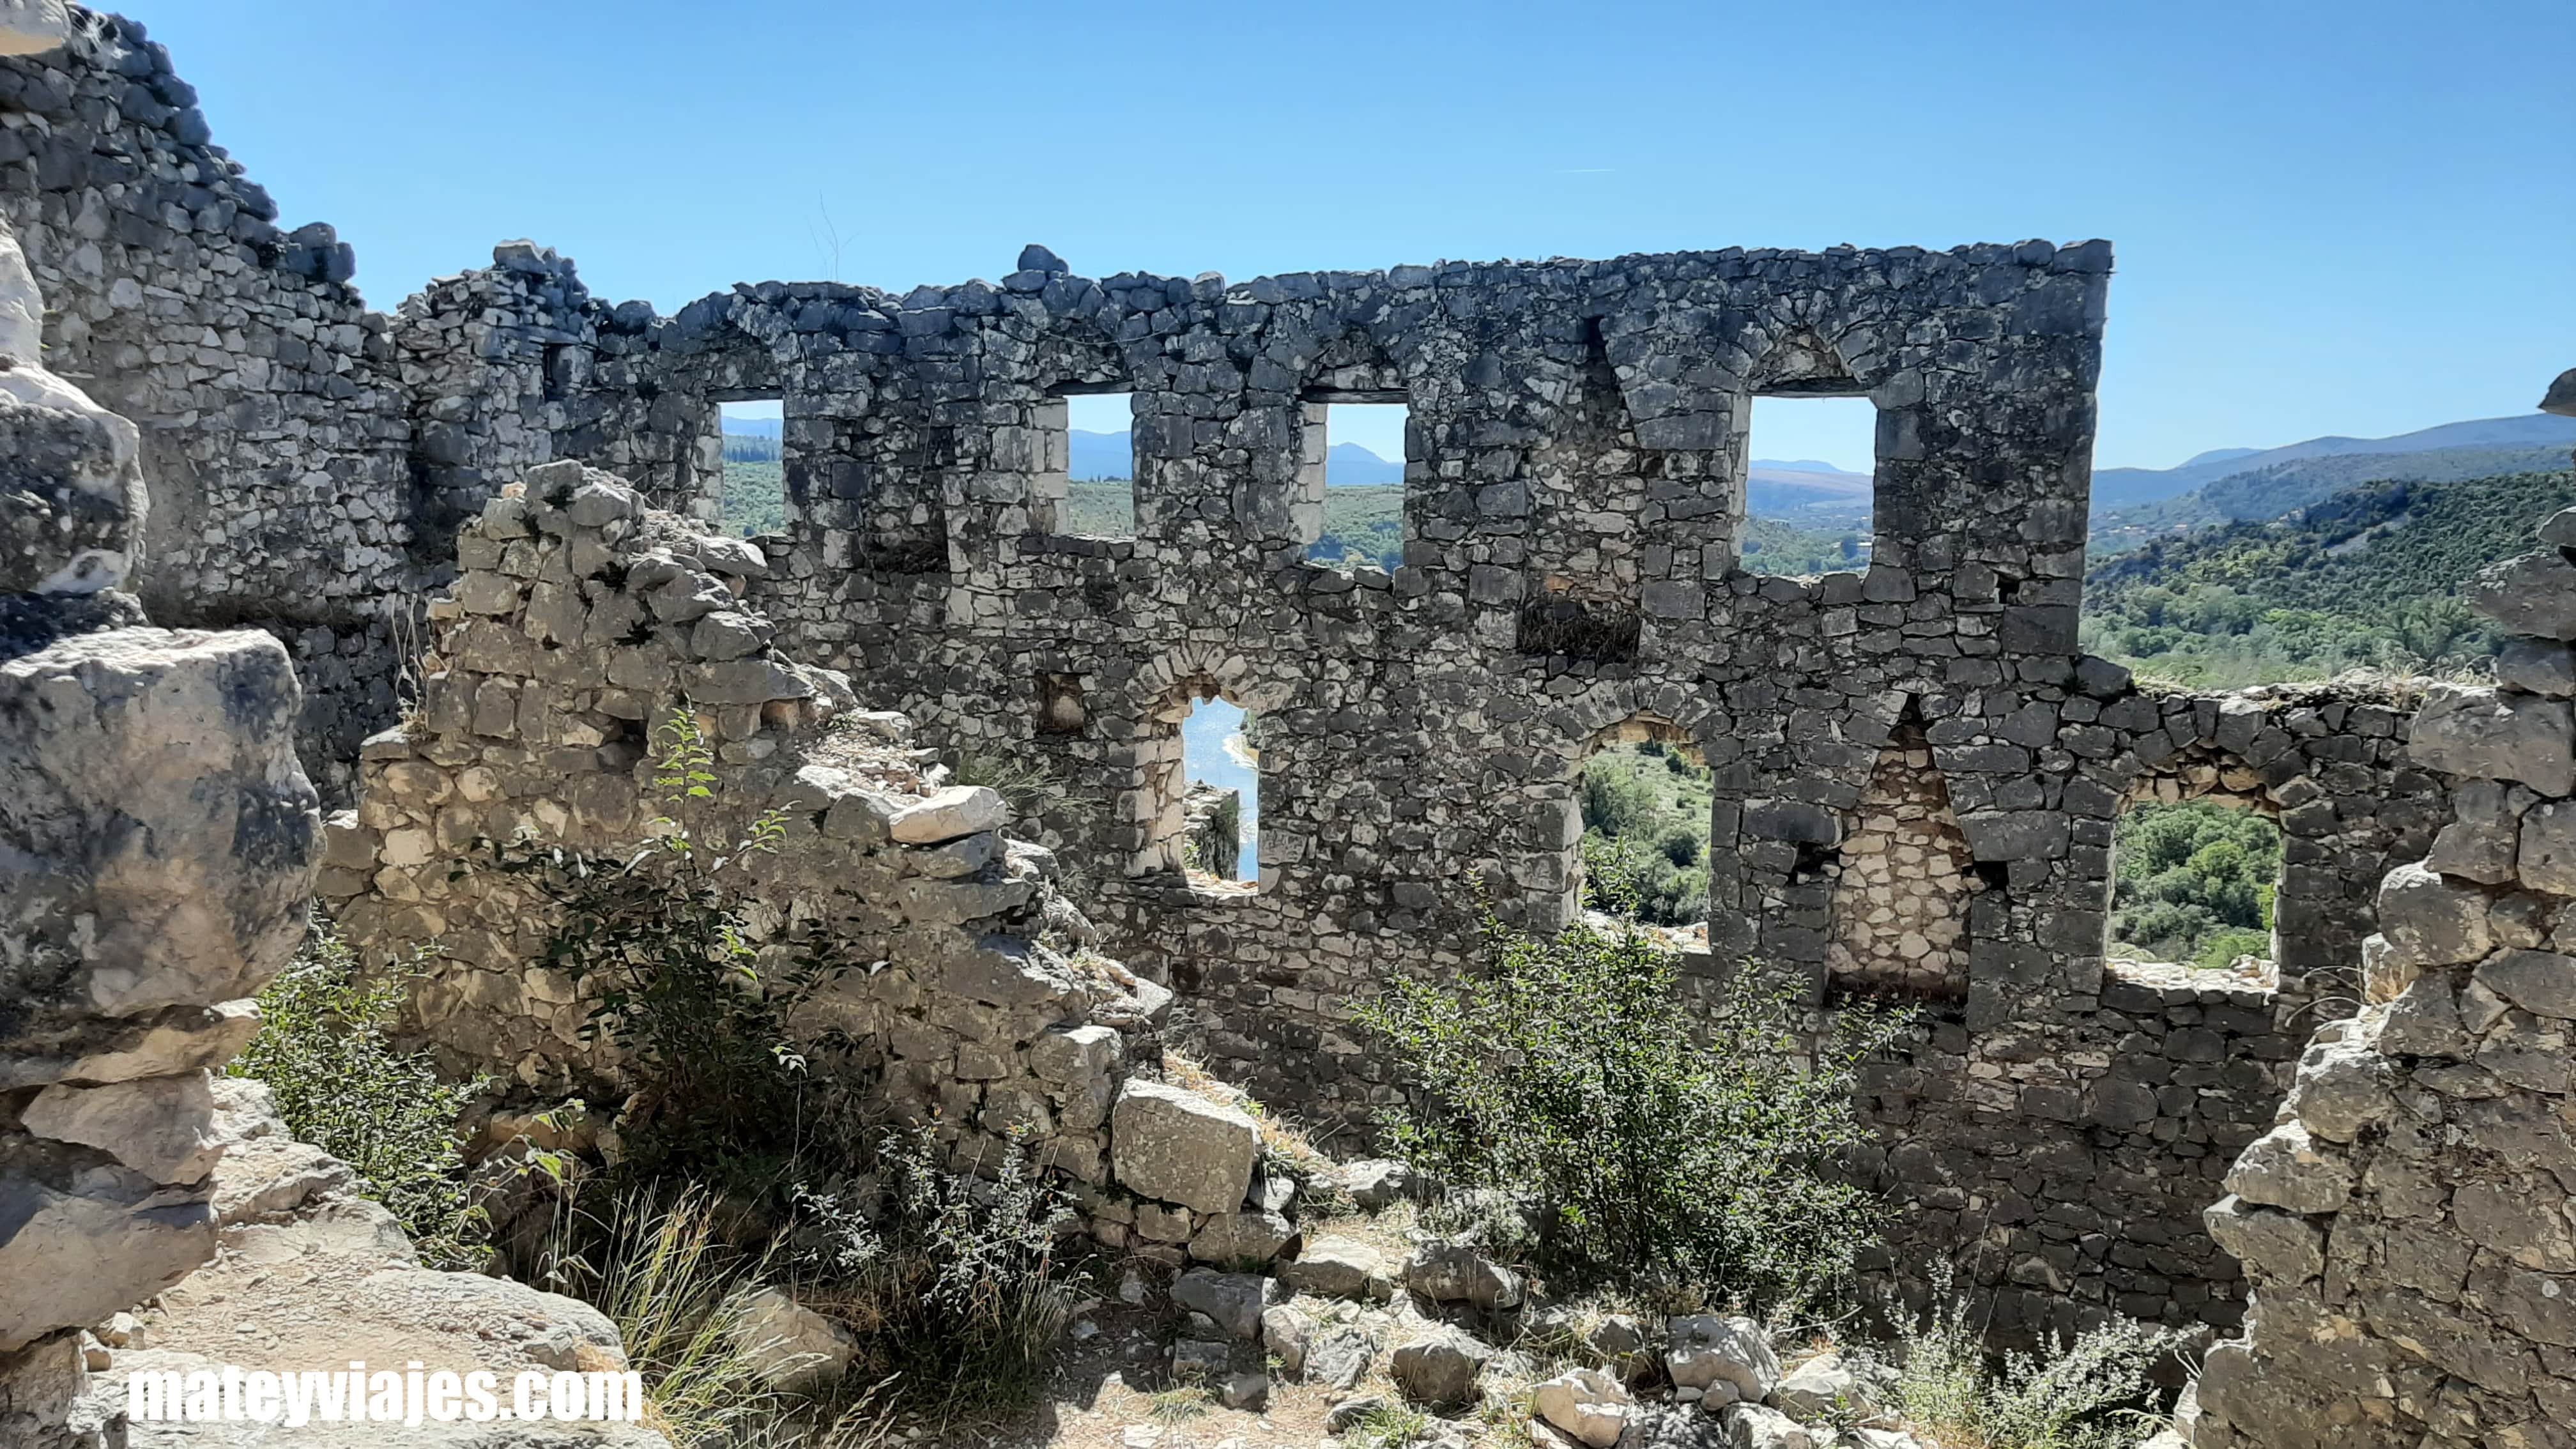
657	941
1564	1075
2089	1392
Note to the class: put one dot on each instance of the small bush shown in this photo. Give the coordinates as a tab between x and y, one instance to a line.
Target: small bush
656	940
1563	1074
2088	1393
956	1293
341	1085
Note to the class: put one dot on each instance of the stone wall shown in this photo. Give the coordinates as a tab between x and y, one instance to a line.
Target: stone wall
1570	578
1571	574
157	848
2410	1223
580	624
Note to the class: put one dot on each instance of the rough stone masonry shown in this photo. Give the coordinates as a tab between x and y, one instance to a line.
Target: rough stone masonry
1571	574
2410	1223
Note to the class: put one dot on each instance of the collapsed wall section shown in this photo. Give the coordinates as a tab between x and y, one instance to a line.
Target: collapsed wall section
2410	1223
580	624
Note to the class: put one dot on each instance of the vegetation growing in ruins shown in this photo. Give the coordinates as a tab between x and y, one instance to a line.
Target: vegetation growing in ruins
2193	882
2367	578
1646	818
656	941
2087	1392
948	1279
340	1084
1632	1150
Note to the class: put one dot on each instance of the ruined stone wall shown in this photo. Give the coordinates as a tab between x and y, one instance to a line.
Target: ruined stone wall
272	426
1570	578
2410	1223
580	622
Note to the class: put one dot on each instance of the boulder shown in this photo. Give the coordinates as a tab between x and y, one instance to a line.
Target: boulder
1586	1403
1201	1360
1337	1267
1440	1366
955	811
1704	1348
790	1345
1176	1146
1452	1273
70	1261
1244	1391
1286	1330
1234	1301
1251	1237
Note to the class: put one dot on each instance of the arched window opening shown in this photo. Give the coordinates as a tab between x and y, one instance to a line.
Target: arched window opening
1201	795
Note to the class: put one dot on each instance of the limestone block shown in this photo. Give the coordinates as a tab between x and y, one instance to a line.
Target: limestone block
1066	1056
1452	1273
1704	1348
2546	857
1235	1301
71	1260
1439	1366
1821	1387
2286	1169
955	811
1177	1146
2342	1088
2537	666
1338	1267
2486	734
2429	920
1377	1182
180	1040
1586	1403
2277	1246
163	1127
166	860
2534	594
1754	1426
1249	1237
2540	982
790	1345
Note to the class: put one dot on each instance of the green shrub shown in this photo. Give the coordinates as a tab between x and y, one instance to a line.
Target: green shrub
656	940
2089	1393
341	1085
953	1289
1564	1074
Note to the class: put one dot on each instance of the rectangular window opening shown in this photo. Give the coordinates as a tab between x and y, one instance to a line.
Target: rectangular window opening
1096	464
1640	819
754	478
1808	486
1360	449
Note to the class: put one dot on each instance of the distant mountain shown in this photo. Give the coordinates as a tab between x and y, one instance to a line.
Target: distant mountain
2115	488
751	427
1776	489
1113	455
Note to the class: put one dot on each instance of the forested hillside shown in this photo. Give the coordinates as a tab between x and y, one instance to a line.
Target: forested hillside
2368	578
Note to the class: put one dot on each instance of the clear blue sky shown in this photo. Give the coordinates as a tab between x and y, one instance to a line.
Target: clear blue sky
2331	218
